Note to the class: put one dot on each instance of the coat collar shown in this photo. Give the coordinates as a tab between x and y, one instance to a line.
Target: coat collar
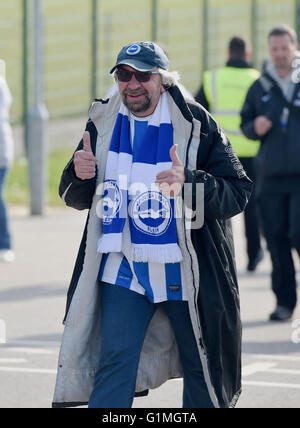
102	110
238	63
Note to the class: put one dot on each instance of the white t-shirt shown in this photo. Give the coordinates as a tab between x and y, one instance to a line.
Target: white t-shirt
157	281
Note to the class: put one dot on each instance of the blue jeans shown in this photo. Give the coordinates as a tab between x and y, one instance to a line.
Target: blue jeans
5	242
125	318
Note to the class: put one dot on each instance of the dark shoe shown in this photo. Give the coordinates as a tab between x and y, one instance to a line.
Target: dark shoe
281	314
254	263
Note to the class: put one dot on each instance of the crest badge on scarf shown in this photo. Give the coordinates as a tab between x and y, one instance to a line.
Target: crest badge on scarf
151	213
112	201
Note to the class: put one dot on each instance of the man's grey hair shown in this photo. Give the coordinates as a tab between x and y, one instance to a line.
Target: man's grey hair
169	78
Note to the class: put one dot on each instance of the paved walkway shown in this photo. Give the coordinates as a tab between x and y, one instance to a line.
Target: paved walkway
32	302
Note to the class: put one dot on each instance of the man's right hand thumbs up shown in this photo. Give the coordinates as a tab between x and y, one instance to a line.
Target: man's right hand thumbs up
84	160
87	142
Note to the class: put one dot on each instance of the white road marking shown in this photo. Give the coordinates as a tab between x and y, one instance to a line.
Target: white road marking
272	384
274	357
269	367
284	371
266	367
251	369
33	343
248	370
28	350
27	370
31	347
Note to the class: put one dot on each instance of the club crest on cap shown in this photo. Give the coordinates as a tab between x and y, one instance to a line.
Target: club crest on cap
133	49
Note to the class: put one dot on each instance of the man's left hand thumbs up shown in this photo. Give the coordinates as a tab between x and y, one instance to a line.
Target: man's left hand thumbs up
170	182
174	156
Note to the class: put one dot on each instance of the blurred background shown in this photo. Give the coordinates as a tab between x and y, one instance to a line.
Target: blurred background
81	39
56	56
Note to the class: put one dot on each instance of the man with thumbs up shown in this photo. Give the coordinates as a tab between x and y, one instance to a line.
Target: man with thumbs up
154	294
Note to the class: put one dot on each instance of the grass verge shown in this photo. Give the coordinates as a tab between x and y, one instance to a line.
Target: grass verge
17	192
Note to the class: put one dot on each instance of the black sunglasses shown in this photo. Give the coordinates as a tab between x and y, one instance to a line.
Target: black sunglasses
141	76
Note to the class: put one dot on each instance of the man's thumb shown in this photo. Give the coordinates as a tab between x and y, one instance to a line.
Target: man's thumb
174	156
87	142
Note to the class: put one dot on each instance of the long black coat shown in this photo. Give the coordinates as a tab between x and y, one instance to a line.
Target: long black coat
226	192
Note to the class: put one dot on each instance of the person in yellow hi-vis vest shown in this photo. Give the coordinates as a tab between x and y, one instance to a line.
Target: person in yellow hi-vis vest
223	93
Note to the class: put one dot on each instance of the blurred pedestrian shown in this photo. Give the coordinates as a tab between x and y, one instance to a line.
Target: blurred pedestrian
272	113
223	93
6	159
152	299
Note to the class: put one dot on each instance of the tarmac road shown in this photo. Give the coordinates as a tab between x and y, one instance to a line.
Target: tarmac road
32	303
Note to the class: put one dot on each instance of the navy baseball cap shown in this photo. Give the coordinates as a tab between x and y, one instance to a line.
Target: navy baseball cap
143	56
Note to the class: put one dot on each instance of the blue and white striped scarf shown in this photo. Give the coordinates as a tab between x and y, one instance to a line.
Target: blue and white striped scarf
130	188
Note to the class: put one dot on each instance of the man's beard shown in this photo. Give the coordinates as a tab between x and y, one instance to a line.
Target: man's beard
137	107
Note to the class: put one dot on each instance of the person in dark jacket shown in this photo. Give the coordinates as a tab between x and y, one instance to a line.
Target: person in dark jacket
223	93
139	314
272	113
